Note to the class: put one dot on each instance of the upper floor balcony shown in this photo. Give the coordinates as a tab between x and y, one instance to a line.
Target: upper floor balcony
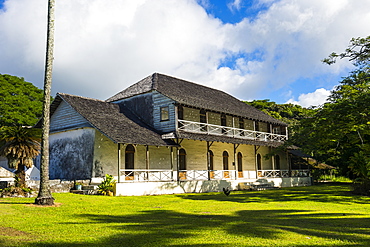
211	129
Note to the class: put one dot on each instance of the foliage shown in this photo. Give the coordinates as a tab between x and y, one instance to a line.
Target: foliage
339	132
288	113
20	145
20	101
107	185
15	191
358	52
321	215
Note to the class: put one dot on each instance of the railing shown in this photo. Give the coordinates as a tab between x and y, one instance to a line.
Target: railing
146	175
204	128
282	173
206	175
198	175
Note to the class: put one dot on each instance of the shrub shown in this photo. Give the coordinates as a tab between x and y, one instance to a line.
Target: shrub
106	186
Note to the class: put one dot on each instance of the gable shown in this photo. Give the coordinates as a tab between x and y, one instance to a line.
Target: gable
65	117
116	122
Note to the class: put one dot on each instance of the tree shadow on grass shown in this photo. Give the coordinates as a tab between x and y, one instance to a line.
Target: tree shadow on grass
335	193
170	228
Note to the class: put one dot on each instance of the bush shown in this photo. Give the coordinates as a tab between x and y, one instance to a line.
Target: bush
107	185
361	186
14	191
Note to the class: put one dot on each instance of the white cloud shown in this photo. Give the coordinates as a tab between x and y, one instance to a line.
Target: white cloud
235	5
316	98
102	47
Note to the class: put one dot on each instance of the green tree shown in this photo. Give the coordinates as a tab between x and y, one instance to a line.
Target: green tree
339	132
20	101
20	145
289	113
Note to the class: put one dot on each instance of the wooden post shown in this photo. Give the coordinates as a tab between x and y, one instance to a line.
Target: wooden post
171	161
147	161
272	160
208	162
255	161
119	162
235	165
177	163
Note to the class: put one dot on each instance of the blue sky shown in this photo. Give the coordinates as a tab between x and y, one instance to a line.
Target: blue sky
252	49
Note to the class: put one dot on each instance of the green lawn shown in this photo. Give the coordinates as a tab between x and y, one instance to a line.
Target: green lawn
321	215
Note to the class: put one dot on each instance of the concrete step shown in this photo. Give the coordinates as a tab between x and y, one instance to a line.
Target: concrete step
84	192
90	187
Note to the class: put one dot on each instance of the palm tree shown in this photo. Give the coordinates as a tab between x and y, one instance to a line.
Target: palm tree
44	197
20	145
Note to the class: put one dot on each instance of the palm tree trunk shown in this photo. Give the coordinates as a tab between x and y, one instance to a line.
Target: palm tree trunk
21	176
44	197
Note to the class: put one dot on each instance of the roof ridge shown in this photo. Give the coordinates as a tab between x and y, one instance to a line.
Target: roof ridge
82	97
154	81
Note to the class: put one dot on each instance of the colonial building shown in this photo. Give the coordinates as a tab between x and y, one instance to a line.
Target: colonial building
166	135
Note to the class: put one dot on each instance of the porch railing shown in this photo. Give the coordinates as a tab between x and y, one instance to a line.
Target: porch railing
198	175
206	175
204	128
146	175
282	173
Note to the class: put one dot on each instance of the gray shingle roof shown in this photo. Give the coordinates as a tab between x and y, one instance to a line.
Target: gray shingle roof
195	95
116	122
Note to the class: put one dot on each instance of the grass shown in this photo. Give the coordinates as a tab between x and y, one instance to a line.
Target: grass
321	215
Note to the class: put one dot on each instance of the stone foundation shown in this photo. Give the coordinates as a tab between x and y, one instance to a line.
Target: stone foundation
56	185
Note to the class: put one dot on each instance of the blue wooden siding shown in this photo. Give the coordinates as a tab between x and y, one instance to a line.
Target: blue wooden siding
159	100
148	107
141	105
65	117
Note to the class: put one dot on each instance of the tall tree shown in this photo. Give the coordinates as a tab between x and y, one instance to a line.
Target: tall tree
20	101
20	145
289	113
44	197
339	133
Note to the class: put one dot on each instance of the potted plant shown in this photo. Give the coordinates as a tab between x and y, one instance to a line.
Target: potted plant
78	186
107	185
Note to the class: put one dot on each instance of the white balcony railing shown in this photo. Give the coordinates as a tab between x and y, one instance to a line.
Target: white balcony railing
204	128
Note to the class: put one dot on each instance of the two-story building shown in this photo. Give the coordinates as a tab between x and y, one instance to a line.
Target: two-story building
167	135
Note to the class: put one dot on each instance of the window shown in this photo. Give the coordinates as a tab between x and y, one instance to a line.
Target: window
240	162
259	162
210	155
276	130
225	159
256	126
240	165
241	126
277	162
182	159
129	161
180	115
223	123
241	123
203	119
180	112
164	114
203	116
